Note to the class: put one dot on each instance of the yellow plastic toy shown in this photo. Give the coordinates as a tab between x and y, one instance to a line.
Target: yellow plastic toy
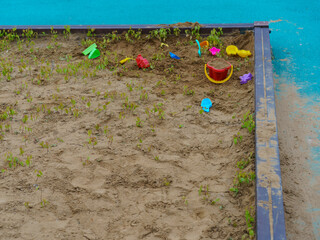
232	50
220	81
244	53
163	44
124	60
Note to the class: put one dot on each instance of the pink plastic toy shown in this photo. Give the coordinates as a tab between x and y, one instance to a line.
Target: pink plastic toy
214	50
142	62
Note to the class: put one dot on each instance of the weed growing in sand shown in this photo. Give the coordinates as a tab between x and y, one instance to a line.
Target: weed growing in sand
166	182
12	161
187	91
113	36
138	122
90	32
66	32
158	56
244	162
237	138
200	190
43	203
21	151
157	108
214	37
29	34
45	145
92	140
194	33
184	198
25	119
248	122
131	34
243	177
250	223
215	201
176	32
7	68
28	160
144	95
161	34
205	194
235	190
38	174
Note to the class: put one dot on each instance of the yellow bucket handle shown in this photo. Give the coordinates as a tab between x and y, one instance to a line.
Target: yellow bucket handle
214	81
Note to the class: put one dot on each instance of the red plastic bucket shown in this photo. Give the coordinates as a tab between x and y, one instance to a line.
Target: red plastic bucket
218	74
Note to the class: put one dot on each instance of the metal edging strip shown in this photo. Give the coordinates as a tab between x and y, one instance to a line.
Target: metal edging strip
269	199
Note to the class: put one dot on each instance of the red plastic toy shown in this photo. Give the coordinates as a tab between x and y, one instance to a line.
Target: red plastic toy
218	74
142	62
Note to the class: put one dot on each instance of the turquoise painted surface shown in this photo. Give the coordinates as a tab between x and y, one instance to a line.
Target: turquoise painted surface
294	37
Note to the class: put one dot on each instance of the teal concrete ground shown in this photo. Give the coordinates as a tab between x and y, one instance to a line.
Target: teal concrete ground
295	45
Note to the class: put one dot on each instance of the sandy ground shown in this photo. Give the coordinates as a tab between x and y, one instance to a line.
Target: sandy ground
97	171
299	186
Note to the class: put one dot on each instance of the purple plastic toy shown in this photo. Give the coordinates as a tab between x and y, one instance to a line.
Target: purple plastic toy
214	50
245	78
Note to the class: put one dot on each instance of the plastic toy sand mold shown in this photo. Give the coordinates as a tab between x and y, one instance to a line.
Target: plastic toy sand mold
245	78
214	50
92	51
206	104
89	49
244	53
204	44
142	62
233	50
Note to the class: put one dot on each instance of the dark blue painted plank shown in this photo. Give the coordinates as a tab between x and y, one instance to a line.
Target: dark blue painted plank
269	199
205	28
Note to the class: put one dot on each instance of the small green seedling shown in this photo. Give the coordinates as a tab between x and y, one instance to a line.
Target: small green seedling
250	222
215	201
184	198
248	122
139	122
200	190
45	145
234	190
237	138
166	182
